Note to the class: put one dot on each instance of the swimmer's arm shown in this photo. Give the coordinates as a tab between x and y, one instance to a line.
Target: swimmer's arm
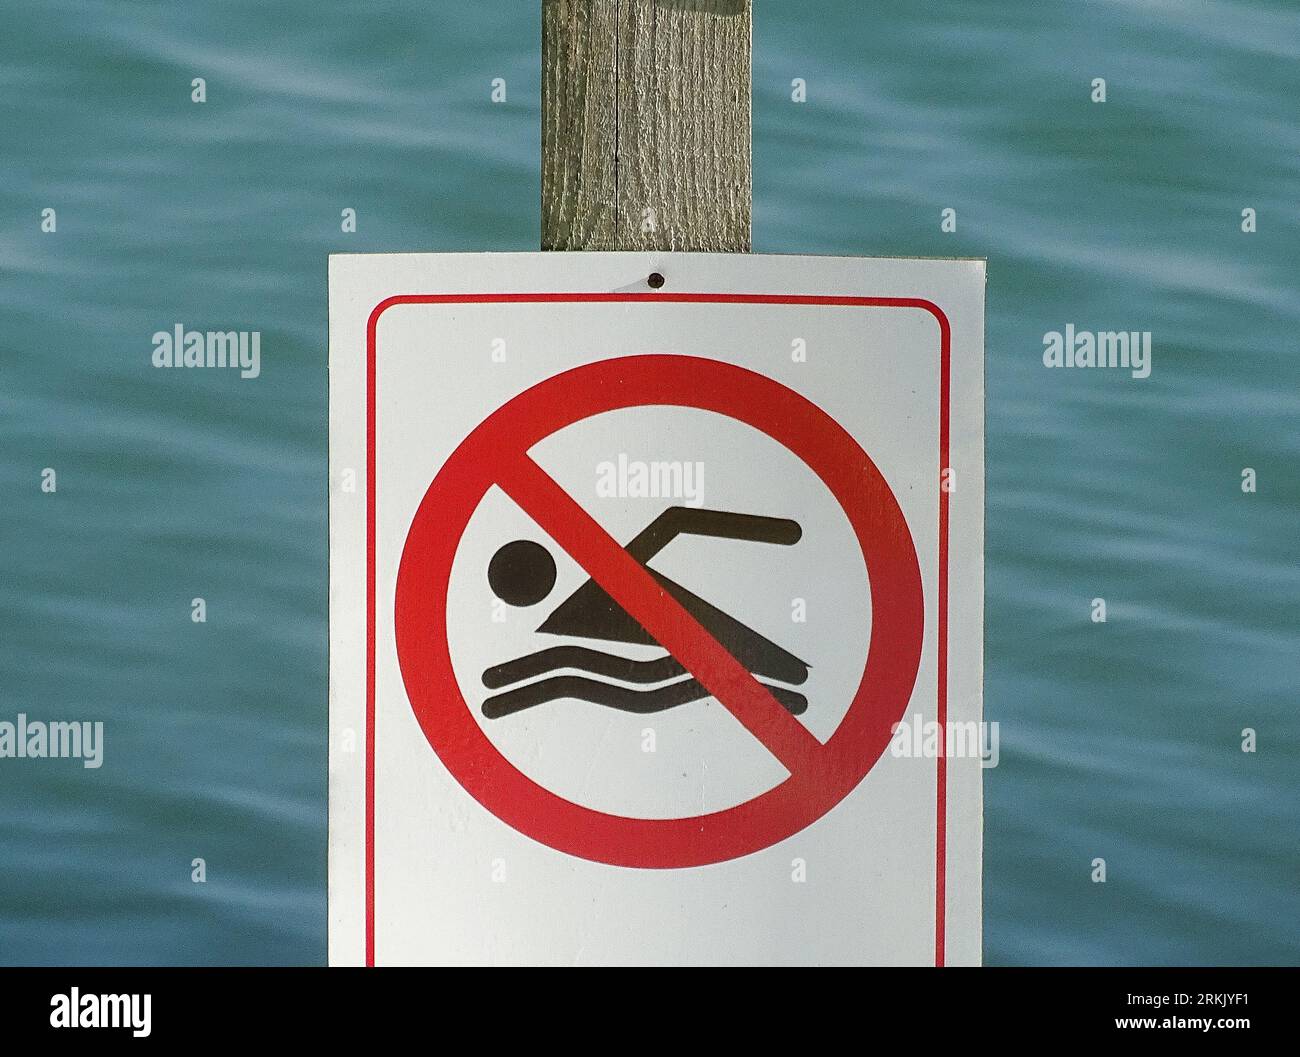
689	521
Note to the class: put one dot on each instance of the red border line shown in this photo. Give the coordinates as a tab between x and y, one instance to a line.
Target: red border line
945	378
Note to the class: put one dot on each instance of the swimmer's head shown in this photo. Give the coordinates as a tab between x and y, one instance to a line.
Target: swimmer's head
521	573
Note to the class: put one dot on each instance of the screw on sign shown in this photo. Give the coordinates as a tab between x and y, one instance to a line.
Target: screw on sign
624	601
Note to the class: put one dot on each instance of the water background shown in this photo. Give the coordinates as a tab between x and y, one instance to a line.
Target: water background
1119	741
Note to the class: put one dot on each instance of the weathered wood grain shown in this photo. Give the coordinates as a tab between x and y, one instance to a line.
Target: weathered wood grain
646	125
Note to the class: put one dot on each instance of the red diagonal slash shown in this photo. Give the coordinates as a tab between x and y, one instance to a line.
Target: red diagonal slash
628	583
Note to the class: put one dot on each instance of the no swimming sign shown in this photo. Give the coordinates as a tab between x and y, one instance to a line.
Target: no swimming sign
639	563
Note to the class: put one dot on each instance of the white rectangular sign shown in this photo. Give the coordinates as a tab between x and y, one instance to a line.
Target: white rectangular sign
656	609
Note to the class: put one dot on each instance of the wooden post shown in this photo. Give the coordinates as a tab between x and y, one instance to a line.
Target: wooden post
646	125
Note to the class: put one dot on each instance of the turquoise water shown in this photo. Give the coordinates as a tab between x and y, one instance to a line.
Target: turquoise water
1119	740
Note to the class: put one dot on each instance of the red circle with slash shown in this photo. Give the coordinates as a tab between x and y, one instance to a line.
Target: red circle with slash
496	453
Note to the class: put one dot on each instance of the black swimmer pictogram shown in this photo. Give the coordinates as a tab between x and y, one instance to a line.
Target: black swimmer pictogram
522	573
